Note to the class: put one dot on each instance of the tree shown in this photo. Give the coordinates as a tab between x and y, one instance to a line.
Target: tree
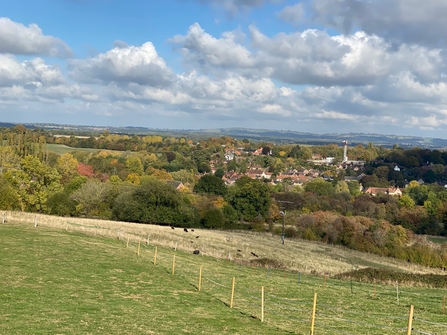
134	165
219	173
320	187
170	156
9	199
211	185
185	176
8	159
154	202
354	188
85	170
90	199
161	175
382	172
249	197
213	219
418	193
35	183
406	201
341	187
67	165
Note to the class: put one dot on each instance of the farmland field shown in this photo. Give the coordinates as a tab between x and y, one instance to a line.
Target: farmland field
61	278
61	149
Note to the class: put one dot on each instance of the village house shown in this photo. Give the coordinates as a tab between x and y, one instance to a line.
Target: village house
386	190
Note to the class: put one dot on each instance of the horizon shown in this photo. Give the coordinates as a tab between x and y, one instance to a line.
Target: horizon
311	66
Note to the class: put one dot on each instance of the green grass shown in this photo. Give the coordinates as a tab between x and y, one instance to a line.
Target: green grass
61	149
58	282
437	239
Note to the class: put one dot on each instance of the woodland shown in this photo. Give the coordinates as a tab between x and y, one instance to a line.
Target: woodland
185	183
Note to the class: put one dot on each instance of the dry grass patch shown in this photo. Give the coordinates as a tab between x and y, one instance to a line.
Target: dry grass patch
294	255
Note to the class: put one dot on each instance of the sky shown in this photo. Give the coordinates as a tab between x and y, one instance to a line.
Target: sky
319	66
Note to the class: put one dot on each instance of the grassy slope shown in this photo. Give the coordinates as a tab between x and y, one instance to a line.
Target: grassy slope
61	282
62	149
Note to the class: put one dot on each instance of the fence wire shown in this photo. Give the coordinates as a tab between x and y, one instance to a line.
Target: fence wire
285	312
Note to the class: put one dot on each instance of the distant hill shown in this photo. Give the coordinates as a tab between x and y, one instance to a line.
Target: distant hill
267	135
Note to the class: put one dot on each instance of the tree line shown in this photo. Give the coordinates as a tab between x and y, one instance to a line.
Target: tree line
142	187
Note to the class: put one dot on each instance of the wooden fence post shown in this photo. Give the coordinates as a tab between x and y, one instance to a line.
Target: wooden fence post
397	291
3	217
35	221
138	251
200	279
410	320
443	305
173	264
262	304
155	256
314	308
232	292
127	244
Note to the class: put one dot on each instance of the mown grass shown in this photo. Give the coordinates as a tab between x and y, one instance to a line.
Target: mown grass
59	282
61	149
67	283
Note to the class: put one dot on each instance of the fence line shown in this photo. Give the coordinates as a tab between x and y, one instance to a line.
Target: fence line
242	297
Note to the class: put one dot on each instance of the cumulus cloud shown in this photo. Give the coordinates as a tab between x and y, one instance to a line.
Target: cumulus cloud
33	72
34	80
402	21
16	38
311	57
137	64
204	50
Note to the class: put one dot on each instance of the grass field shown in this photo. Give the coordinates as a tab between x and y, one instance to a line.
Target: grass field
58	281
61	149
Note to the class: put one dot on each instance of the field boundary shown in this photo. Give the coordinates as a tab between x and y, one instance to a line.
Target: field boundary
234	288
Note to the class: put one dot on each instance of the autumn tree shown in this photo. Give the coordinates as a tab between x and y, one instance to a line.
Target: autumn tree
134	165
90	199
35	182
67	165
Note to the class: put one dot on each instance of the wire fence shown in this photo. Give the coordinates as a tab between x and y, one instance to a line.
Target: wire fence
287	303
284	299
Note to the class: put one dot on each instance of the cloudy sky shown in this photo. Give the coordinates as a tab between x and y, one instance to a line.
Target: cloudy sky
321	66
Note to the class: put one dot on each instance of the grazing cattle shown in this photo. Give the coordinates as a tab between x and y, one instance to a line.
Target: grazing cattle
192	229
172	227
197	236
185	230
238	250
196	252
254	254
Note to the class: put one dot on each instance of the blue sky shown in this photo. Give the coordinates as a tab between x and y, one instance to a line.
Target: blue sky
320	66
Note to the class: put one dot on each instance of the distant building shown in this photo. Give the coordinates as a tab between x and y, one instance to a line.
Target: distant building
390	190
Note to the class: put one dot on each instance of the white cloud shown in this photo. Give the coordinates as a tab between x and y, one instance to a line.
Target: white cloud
15	38
34	72
335	115
131	64
204	50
